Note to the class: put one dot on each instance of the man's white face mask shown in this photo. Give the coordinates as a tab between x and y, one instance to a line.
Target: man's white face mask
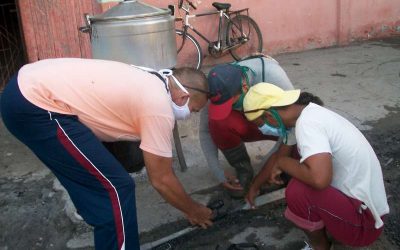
180	112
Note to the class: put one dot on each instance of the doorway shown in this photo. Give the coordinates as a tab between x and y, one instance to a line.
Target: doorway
11	45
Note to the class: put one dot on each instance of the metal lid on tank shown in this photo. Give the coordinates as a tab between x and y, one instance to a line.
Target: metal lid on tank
129	9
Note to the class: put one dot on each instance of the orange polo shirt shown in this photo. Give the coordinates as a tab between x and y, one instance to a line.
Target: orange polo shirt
115	100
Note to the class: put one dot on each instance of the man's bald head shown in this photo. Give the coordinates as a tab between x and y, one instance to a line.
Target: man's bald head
195	81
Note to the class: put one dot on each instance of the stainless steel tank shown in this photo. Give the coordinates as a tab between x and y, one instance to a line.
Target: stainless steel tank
135	33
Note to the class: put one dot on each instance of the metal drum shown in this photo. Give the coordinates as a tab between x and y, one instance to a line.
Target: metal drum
135	33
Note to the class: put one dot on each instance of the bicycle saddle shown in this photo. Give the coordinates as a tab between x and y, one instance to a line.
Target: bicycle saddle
221	6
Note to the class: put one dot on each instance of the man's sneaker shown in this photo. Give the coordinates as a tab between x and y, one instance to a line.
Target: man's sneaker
307	246
77	215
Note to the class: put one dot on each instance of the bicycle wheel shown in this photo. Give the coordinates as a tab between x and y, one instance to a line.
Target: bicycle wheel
251	41
190	55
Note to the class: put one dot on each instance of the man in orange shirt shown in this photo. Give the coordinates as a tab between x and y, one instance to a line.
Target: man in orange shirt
63	109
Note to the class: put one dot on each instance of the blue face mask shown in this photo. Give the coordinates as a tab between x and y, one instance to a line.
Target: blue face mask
268	130
279	130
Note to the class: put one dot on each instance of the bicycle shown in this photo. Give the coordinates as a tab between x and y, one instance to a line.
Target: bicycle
237	33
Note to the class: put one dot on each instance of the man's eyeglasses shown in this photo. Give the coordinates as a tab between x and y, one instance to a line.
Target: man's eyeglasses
199	90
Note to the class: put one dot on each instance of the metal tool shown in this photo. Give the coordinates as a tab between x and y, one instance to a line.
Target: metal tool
215	206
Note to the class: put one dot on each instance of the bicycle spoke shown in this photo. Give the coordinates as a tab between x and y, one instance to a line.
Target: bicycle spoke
245	37
190	54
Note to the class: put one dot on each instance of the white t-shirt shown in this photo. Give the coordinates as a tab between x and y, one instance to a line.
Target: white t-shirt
356	169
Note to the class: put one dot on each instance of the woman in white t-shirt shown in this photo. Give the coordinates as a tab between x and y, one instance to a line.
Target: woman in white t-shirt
337	186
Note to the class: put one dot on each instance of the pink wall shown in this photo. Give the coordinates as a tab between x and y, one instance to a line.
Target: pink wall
294	25
374	18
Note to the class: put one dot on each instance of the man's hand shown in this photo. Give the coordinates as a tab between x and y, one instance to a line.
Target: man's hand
231	182
200	215
164	180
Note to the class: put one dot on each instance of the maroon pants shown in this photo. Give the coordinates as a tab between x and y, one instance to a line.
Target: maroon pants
340	215
233	130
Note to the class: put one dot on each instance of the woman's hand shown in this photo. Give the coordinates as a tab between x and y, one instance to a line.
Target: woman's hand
273	175
251	195
271	171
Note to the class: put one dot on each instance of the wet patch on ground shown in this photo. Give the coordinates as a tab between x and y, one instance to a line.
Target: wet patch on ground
393	42
338	74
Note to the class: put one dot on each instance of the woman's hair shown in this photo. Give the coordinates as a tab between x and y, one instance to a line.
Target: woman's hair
305	98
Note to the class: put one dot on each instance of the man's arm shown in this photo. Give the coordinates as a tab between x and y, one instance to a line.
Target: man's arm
164	180
210	152
208	147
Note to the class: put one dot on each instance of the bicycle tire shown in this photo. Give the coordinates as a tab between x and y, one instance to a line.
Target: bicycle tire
252	31
190	55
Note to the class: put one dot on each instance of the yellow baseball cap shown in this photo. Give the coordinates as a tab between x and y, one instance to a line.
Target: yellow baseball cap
263	96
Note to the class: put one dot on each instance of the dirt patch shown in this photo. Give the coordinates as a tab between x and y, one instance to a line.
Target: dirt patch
32	215
385	138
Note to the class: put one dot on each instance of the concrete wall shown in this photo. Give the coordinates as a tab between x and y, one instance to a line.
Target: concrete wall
293	25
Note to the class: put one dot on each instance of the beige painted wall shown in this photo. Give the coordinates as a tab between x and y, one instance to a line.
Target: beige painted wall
293	25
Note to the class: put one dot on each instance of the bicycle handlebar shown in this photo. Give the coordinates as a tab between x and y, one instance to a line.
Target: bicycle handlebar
191	4
180	3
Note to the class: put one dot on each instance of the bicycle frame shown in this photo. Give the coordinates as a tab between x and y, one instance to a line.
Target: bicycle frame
222	14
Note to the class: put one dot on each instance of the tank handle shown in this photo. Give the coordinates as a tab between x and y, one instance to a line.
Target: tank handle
87	27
